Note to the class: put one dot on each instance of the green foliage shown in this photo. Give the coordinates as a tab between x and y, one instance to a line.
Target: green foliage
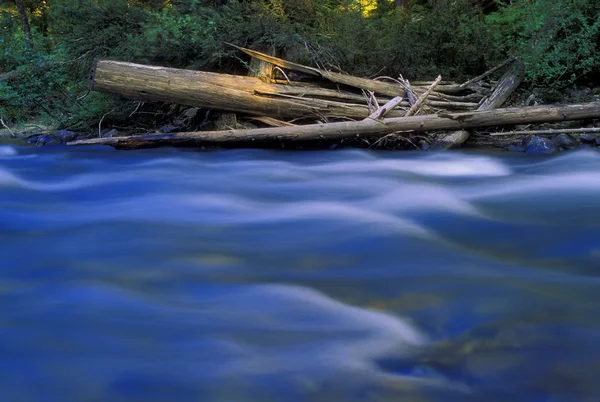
557	40
452	41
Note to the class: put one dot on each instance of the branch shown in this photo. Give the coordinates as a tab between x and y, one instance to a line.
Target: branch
8	128
550	131
424	96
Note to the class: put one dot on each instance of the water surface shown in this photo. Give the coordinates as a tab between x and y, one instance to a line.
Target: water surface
168	275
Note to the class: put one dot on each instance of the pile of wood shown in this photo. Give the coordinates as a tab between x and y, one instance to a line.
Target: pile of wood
322	106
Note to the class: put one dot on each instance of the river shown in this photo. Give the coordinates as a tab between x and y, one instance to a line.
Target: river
346	275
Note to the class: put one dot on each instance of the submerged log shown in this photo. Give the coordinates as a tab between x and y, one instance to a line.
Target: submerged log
339	130
506	86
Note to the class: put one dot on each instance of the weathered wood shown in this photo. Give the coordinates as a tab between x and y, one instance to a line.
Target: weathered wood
221	91
383	110
488	72
553	131
413	109
338	130
233	93
380	87
506	86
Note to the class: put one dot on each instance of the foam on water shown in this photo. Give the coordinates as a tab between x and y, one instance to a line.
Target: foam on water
341	261
7	150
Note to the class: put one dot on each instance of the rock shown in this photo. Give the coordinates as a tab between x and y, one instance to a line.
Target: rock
584	94
186	118
66	135
564	141
169	128
43	140
32	139
539	145
110	133
516	148
587	138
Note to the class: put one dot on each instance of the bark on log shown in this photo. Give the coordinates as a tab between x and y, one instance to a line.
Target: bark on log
334	131
506	86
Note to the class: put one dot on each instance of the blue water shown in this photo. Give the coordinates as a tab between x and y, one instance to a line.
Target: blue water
167	275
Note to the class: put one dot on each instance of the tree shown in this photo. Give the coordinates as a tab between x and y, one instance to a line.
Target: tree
403	5
25	24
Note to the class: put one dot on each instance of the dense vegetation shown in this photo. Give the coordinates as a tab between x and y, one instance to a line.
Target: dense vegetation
47	76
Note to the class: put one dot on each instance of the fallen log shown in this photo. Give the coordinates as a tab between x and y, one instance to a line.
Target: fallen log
506	86
551	131
339	130
231	93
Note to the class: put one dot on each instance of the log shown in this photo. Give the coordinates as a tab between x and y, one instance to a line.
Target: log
234	93
339	130
224	92
552	131
506	86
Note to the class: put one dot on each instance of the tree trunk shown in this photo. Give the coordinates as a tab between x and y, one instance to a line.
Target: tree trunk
25	25
335	131
403	5
506	86
233	93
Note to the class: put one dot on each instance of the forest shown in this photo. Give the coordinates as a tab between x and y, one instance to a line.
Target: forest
49	46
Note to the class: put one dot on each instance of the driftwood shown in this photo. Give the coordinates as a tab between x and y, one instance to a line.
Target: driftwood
248	95
415	107
379	87
340	130
553	131
505	87
383	110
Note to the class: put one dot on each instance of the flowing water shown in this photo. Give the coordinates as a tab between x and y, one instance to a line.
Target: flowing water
168	275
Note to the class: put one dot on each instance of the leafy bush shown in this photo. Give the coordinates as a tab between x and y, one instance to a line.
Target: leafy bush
557	40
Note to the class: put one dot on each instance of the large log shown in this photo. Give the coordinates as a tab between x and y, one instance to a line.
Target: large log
334	131
507	84
233	93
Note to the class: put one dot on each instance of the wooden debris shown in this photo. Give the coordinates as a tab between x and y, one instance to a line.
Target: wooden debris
338	130
344	106
382	111
379	87
553	131
505	87
413	109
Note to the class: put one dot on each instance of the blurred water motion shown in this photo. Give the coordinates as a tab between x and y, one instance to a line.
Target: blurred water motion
170	275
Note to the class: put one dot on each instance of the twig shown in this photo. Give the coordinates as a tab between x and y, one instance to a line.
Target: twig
82	96
550	131
136	108
100	123
8	128
424	96
282	72
490	71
